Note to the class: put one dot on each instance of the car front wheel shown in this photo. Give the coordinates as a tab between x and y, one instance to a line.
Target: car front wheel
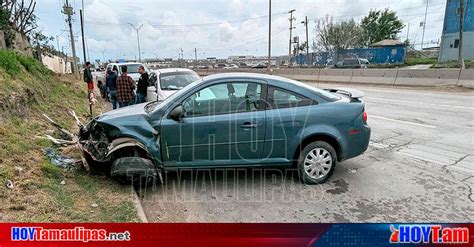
317	162
133	170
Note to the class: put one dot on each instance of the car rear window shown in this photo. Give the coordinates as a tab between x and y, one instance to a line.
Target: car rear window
177	80
131	68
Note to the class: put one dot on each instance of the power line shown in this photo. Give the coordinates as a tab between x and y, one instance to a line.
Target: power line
363	14
177	26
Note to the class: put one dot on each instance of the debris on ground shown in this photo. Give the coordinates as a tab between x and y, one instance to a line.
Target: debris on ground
63	182
68	139
18	169
58	159
352	170
94	205
9	184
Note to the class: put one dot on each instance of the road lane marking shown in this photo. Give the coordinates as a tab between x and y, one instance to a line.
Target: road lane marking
420	103
401	121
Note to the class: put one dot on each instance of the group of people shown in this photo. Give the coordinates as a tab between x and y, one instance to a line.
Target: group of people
120	88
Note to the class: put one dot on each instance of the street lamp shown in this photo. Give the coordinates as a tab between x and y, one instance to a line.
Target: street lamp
138	39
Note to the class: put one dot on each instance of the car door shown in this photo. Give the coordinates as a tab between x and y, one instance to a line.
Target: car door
223	125
287	113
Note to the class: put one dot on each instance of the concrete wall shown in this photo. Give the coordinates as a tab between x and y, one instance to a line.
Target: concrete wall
21	44
55	63
395	77
2	40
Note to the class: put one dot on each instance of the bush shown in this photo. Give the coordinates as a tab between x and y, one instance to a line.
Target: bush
12	62
33	66
9	62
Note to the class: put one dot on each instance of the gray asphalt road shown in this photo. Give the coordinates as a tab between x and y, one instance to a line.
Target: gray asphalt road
419	167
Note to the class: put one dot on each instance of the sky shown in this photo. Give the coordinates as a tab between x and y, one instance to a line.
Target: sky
218	28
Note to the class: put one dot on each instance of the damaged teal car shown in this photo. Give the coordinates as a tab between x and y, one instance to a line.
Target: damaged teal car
232	120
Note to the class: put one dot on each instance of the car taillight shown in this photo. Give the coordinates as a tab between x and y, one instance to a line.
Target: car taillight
364	117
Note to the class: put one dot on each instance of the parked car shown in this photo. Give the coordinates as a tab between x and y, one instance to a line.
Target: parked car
168	82
356	63
232	120
131	67
203	67
259	66
231	66
220	65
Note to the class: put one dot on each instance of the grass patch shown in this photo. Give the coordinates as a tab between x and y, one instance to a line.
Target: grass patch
420	60
28	89
454	64
9	62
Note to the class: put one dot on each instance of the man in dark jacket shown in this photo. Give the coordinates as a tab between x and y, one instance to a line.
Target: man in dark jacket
88	77
142	86
112	86
125	88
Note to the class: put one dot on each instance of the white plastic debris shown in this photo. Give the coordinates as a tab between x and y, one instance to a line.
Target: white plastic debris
9	184
63	182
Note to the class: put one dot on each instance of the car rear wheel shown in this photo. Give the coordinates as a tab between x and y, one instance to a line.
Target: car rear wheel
317	162
133	170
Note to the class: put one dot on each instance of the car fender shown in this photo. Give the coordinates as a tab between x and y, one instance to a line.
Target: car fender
123	142
321	129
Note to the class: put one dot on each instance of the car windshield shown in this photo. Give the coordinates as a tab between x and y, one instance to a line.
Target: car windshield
177	80
131	68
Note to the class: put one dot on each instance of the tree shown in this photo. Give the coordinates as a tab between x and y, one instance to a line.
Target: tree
21	15
379	25
6	28
42	44
332	36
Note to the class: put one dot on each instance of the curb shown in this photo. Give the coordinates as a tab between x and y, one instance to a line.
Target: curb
138	206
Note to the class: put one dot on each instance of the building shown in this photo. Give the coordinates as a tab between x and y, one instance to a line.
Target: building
450	37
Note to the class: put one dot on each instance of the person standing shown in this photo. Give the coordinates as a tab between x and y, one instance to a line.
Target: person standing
88	77
112	86
142	85
125	88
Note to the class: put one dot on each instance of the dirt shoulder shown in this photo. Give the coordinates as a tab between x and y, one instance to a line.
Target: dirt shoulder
40	191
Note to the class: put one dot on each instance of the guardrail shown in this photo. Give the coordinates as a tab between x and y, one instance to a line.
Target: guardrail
394	77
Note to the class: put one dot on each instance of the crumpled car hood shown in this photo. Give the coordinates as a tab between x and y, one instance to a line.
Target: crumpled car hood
123	112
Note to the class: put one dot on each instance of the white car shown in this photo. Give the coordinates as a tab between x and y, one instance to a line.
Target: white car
132	71
169	81
231	66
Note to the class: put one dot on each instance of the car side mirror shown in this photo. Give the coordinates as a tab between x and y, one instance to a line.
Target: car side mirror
177	113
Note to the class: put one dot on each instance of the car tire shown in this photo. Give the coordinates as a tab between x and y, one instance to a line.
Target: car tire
133	170
316	162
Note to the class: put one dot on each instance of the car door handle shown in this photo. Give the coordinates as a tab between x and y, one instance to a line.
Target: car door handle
248	125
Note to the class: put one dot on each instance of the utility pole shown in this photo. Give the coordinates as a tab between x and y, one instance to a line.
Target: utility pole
408	33
461	34
195	58
269	36
305	22
57	41
424	24
138	39
83	38
103	55
67	10
291	36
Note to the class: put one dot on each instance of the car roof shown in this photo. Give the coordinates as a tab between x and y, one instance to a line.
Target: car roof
242	75
278	81
128	63
170	70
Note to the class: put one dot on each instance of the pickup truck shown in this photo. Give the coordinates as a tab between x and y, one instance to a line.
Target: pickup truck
132	71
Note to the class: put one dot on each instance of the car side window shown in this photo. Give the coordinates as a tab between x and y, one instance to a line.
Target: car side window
281	98
224	98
